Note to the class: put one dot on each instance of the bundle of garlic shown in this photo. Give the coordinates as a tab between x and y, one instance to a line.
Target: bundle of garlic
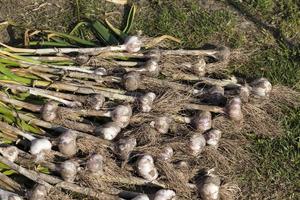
103	120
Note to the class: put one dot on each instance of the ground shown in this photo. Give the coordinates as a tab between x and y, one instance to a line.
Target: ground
266	31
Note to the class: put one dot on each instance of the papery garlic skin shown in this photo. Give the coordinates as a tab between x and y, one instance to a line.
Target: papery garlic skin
197	143
146	101
152	67
95	164
68	170
39	146
164	194
141	197
125	146
166	154
121	115
261	87
133	44
146	168
49	111
161	124
11	153
108	131
67	144
234	109
213	137
199	68
132	81
209	187
202	121
39	192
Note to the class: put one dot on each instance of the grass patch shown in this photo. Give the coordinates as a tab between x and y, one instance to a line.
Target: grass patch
283	14
280	65
276	173
189	22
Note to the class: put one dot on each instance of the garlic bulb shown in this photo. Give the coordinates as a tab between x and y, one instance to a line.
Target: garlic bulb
152	67
125	147
164	194
202	121
244	93
68	170
213	137
67	143
40	146
11	153
234	109
166	154
197	143
182	165
121	115
100	71
39	192
49	111
95	101
95	164
13	197
146	168
209	187
133	44
261	87
141	197
146	101
6	195
108	131
199	67
161	124
131	81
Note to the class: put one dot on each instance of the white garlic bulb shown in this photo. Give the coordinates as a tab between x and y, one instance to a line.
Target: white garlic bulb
14	197
213	137
166	154
164	194
141	197
121	115
68	170
234	109
146	101
11	153
6	195
67	144
39	192
197	143
161	124
202	121
49	111
244	93
209	187
261	87
146	168
199	67
40	146
95	164
152	67
125	146
132	81
108	131
133	44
